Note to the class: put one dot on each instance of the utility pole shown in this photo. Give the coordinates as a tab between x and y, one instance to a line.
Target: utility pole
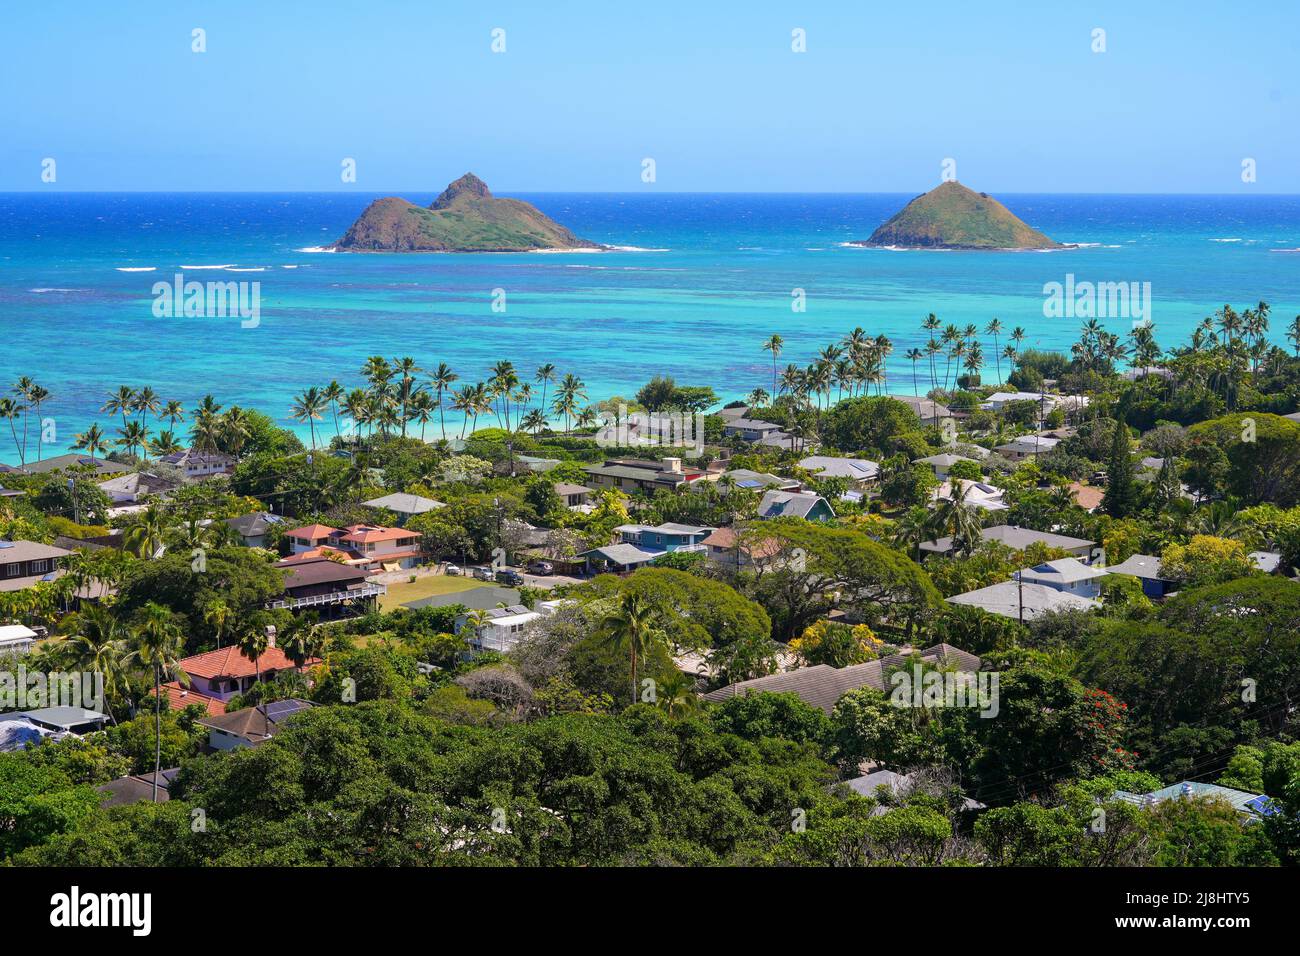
76	510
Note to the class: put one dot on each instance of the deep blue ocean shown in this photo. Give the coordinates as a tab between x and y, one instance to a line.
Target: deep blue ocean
707	280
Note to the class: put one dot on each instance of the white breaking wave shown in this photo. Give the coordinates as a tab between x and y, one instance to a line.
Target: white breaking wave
248	269
137	268
224	265
316	249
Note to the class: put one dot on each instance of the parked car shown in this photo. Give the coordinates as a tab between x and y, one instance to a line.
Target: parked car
541	567
511	577
452	569
484	574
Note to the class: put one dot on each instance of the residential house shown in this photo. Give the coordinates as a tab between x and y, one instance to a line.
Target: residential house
726	549
1087	497
1146	568
218	676
254	528
197	465
102	467
758	480
1068	575
1026	446
133	487
798	504
251	726
930	412
575	497
899	785
637	474
640	544
1017	539
325	584
821	686
732	412
364	544
1251	806
1022	600
501	627
749	429
137	788
942	463
979	495
859	472
536	465
24	564
405	506
16	639
1000	400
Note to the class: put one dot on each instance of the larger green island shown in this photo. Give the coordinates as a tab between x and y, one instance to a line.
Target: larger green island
465	218
952	216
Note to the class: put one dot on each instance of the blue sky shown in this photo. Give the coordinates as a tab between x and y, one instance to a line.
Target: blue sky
885	92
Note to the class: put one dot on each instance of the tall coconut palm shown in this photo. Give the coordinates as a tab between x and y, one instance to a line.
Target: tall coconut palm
24	389
994	328
233	431
158	647
39	397
774	345
133	436
91	441
635	624
441	378
10	410
174	412
914	356
164	444
120	402
333	393
954	516
406	369
308	406
545	375
146	401
534	421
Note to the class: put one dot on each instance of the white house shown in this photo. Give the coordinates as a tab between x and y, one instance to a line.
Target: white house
16	639
501	629
1068	575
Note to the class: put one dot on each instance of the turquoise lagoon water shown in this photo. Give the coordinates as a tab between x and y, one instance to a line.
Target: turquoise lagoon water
703	283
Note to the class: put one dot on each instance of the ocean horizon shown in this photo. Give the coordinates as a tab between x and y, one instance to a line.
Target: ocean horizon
701	281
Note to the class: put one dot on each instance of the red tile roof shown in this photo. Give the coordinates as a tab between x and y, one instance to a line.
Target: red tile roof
312	531
178	698
363	534
228	662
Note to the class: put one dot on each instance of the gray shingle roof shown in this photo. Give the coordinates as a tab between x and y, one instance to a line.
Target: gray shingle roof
1013	537
1005	599
822	685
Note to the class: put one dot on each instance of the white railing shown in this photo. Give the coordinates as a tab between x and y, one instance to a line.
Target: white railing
333	597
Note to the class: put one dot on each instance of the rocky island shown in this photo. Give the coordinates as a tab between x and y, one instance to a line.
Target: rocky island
465	218
951	216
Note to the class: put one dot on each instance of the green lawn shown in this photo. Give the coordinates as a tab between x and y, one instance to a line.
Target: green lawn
423	587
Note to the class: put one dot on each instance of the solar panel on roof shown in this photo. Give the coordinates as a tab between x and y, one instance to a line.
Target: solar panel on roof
1264	806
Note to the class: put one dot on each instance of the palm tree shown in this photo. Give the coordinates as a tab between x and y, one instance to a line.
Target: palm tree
146	401
774	345
147	534
571	389
953	516
299	639
534	421
994	328
165	444
120	402
253	642
635	624
441	378
39	396
914	356
1293	333
308	407
158	647
98	646
216	615
174	412
333	393
407	369
233	430
757	398
421	409
134	436
92	440
10	409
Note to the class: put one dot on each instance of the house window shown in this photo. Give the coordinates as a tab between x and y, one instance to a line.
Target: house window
13	570
38	567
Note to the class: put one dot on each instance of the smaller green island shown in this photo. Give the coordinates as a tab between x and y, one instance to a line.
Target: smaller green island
952	216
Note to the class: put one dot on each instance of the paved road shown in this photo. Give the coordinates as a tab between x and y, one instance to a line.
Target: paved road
484	598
